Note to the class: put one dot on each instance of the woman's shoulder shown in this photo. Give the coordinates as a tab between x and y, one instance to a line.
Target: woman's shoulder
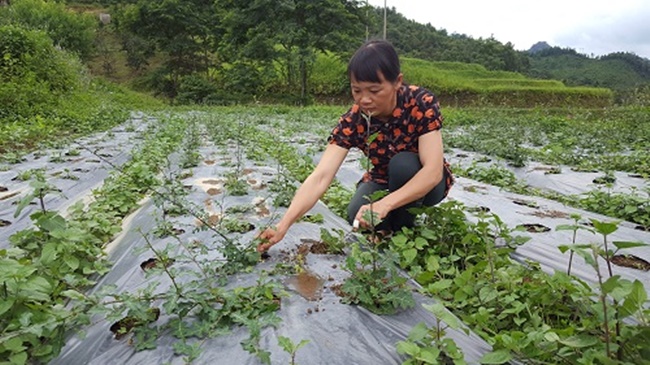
417	95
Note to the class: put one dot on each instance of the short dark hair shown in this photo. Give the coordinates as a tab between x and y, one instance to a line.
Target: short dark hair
372	57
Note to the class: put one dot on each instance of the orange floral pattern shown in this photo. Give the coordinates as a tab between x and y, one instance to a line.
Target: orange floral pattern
417	113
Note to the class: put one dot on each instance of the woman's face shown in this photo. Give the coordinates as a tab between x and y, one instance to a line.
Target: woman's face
376	98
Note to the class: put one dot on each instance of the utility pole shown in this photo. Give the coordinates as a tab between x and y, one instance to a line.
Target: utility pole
367	20
385	19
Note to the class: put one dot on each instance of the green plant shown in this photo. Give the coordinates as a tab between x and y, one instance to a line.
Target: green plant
426	345
290	347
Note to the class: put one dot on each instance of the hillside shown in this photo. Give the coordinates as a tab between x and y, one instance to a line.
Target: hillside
618	71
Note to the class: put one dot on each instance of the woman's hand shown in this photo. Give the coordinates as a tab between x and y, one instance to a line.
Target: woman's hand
380	211
269	237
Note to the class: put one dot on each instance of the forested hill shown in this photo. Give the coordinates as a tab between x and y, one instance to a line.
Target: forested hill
618	71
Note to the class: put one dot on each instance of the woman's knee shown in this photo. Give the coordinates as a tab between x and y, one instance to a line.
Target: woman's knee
402	167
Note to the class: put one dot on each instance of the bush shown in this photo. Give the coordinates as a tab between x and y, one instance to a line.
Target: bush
195	89
33	73
68	30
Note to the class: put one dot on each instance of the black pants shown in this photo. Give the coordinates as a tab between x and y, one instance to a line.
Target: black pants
401	168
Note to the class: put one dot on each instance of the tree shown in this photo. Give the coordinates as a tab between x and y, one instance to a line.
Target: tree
292	31
186	31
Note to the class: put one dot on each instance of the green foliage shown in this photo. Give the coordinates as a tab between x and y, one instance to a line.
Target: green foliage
71	31
618	71
290	347
374	282
34	74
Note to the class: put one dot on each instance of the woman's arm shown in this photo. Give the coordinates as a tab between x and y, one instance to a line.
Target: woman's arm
307	195
432	159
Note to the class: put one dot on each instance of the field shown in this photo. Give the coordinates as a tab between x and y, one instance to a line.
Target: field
136	245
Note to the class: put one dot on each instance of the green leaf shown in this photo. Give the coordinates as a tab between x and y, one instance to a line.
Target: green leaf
604	228
410	255
442	314
565	227
301	344
432	263
19	358
420	243
48	253
439	285
611	284
14	344
579	341
419	332
551	337
496	357
399	240
71	261
51	223
428	234
285	343
6	304
429	355
626	244
635	300
408	348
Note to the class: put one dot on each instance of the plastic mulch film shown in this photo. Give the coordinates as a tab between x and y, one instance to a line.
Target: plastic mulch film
337	333
561	179
75	170
539	217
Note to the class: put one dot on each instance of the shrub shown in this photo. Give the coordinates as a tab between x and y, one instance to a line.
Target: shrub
71	31
33	72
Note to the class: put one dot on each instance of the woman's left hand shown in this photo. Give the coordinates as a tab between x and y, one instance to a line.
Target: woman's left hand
379	210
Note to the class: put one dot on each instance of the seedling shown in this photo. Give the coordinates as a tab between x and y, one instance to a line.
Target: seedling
290	347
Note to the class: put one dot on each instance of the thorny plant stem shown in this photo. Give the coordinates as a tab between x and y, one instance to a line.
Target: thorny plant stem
162	260
619	353
603	300
573	242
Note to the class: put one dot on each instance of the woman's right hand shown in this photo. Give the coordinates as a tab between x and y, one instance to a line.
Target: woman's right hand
269	237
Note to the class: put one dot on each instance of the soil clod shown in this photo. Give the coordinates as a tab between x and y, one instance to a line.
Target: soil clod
630	261
534	227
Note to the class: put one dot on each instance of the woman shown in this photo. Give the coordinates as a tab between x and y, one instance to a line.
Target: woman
402	123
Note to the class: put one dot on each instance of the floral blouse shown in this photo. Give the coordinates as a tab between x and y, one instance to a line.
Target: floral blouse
417	113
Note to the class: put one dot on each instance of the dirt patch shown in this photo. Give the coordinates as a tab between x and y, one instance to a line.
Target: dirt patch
262	211
316	247
9	195
478	209
549	214
534	227
213	220
3	189
152	263
548	170
94	161
213	191
526	203
208	203
79	169
631	261
636	176
462	155
307	284
256	185
336	289
209	162
247	171
4	223
642	228
125	325
211	182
